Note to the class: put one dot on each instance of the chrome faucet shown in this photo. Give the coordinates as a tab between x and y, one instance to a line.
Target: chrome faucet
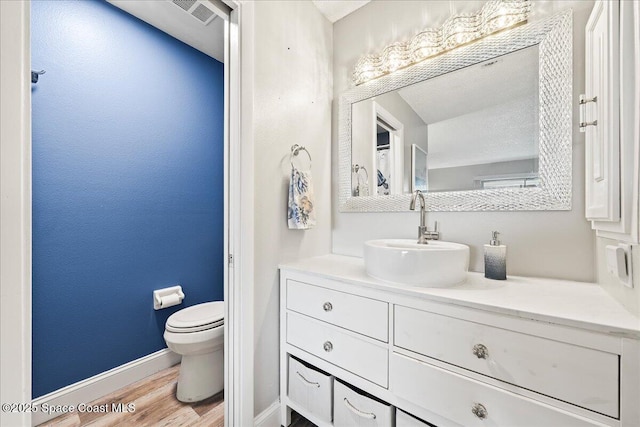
424	234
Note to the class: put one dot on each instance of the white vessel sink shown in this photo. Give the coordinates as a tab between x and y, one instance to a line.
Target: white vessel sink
434	265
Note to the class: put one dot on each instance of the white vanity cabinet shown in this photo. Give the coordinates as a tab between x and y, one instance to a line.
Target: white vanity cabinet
536	363
524	352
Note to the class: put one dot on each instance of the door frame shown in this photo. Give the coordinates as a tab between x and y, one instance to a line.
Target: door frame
396	147
15	210
239	217
16	214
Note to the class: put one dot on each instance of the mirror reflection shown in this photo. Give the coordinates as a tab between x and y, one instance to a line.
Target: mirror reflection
475	128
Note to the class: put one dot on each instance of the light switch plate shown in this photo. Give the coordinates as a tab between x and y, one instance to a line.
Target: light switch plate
619	263
629	261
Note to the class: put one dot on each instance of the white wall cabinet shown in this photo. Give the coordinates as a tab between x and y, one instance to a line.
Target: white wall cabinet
455	362
610	118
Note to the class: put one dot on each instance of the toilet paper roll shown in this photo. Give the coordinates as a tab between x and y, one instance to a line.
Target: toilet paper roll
169	300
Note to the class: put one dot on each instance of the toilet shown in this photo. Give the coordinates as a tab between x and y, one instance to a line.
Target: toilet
197	333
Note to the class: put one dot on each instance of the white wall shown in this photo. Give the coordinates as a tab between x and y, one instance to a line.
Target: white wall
466	177
544	244
292	105
362	148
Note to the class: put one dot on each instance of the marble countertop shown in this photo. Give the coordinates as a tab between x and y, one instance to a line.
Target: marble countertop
578	304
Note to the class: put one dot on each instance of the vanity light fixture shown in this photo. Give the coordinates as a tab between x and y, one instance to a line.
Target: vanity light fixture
457	30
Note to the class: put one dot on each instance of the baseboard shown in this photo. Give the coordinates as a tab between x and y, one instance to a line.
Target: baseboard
270	417
104	383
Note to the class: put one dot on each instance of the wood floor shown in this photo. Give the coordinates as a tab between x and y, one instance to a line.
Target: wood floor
156	405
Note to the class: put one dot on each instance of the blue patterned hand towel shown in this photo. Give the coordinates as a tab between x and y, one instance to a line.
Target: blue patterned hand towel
301	215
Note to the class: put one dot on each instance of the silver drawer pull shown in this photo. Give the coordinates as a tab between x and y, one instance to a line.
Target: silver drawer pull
585	100
583	112
358	412
306	381
327	346
583	125
479	411
327	306
480	351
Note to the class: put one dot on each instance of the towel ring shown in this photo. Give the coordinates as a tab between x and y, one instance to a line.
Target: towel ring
295	150
357	169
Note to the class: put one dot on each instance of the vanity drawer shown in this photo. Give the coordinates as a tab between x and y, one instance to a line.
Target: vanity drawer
359	314
355	408
311	389
584	377
358	355
470	403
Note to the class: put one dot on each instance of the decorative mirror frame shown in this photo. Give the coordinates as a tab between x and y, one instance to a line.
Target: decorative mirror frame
554	37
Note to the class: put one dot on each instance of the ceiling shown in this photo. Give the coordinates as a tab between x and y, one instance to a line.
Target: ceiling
334	10
480	114
474	88
178	23
209	39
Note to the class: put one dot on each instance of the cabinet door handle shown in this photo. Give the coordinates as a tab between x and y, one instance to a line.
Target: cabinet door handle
358	412
327	306
583	112
481	351
327	346
306	381
479	411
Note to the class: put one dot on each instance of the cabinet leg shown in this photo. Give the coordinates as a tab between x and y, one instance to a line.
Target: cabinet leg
285	415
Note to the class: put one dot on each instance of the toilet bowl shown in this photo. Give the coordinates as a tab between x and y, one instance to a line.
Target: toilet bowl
197	333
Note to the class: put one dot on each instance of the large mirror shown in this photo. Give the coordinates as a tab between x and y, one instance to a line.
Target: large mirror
483	127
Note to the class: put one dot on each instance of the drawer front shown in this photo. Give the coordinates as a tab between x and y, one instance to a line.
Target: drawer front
359	314
343	349
470	403
311	389
354	409
584	377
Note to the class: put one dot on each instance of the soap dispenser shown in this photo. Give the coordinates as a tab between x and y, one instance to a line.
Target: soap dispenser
495	259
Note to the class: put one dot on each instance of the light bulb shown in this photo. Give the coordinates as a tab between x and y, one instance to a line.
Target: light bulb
495	15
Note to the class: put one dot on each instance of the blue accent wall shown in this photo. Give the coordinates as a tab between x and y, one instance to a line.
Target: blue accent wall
127	186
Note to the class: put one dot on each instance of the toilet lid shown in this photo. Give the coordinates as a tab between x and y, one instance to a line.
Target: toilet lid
198	317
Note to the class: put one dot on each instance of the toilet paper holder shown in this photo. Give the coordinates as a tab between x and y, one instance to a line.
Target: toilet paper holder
167	297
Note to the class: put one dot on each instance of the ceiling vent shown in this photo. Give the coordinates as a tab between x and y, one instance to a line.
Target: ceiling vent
198	9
